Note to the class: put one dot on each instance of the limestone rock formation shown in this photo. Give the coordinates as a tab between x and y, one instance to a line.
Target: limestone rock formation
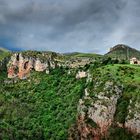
96	113
132	122
81	74
20	65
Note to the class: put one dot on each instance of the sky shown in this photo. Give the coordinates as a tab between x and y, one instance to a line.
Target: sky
90	26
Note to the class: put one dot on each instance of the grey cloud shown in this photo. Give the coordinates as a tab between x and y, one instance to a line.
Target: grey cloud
76	25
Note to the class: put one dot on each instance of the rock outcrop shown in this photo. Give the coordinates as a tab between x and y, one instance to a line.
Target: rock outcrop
132	122
20	65
98	117
96	111
81	74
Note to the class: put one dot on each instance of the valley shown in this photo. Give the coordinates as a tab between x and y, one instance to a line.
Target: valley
46	95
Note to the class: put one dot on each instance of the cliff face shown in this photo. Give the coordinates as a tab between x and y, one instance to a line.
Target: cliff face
20	65
133	118
96	113
107	104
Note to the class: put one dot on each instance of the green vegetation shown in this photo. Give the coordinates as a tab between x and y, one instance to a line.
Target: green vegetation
4	57
4	53
42	107
116	133
3	50
124	72
43	55
121	112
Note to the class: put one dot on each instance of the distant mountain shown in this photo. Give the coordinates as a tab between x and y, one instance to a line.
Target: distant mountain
122	51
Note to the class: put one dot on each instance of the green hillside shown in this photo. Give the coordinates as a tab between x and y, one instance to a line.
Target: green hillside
45	106
3	50
123	52
4	53
129	76
42	107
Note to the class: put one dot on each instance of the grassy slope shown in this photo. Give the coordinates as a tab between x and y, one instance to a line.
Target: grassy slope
3	50
43	107
124	72
4	53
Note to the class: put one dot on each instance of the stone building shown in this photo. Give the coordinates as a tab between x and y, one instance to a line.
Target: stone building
134	60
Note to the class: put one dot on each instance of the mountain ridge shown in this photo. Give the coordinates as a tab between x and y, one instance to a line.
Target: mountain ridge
120	51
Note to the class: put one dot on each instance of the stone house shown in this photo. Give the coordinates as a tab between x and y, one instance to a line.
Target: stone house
134	60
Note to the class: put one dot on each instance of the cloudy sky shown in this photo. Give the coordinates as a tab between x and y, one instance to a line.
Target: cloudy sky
69	25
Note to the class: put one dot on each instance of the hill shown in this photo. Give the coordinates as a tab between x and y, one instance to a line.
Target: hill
125	52
3	53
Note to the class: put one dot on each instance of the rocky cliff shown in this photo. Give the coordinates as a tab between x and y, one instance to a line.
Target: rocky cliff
105	97
97	109
133	118
21	64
